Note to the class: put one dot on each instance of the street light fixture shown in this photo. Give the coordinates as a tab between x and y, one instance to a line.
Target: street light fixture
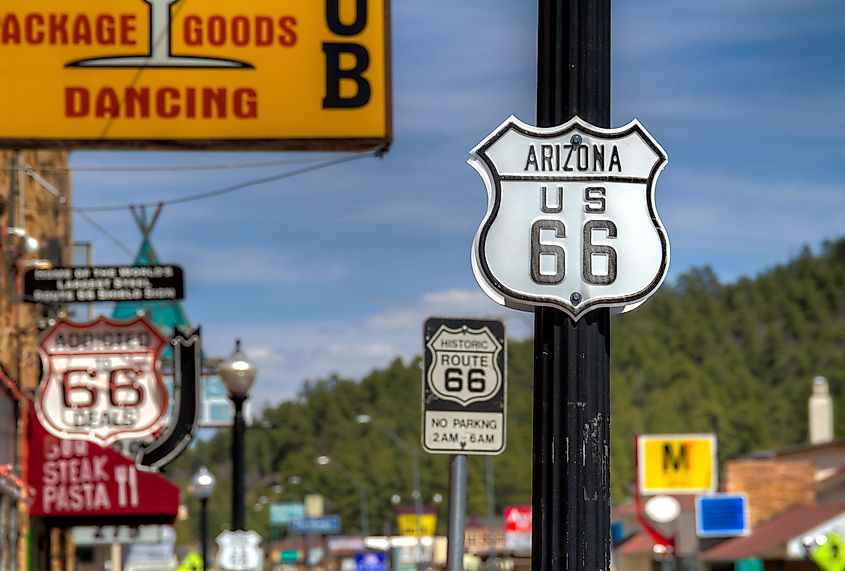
203	483
362	489
238	375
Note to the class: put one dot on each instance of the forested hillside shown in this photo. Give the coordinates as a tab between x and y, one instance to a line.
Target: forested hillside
739	357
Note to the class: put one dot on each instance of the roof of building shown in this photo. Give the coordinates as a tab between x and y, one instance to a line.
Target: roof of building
165	315
773	534
807	447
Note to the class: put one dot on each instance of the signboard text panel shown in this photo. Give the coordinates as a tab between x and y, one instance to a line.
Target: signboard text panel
192	72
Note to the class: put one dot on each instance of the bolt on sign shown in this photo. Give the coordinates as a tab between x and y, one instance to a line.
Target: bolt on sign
571	221
101	380
464	388
677	463
300	74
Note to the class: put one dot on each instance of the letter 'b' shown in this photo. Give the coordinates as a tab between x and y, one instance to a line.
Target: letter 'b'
335	75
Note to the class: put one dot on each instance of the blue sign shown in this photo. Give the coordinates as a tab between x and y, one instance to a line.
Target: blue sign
370	561
326	525
282	514
723	515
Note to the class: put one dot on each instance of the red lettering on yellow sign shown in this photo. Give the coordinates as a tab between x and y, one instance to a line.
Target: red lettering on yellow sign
63	29
240	31
161	102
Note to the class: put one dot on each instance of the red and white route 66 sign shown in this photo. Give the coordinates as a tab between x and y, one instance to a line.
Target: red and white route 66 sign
101	380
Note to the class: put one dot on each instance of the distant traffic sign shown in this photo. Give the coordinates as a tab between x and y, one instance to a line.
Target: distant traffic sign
571	220
325	525
239	550
191	562
830	555
370	561
282	514
464	388
677	463
722	515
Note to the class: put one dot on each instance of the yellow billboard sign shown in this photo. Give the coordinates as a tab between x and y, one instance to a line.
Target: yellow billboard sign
677	463
298	74
408	526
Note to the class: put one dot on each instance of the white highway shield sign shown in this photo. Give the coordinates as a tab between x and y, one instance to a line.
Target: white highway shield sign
239	550
101	380
464	387
571	221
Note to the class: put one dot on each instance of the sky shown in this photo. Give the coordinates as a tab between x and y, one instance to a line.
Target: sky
334	272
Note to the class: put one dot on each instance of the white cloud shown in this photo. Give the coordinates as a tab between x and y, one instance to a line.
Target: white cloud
287	354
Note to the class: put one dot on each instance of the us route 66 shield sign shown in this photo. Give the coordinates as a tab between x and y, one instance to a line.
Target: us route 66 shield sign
571	220
464	364
464	386
101	380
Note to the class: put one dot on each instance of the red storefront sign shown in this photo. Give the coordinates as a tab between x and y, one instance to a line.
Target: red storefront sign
78	479
518	518
518	526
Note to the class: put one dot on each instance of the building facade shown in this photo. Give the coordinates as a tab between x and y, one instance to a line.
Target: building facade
35	199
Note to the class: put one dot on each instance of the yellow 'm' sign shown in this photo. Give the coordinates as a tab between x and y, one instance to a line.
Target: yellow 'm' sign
677	463
292	74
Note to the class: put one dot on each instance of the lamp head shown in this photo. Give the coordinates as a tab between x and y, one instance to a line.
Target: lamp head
323	460
203	483
237	373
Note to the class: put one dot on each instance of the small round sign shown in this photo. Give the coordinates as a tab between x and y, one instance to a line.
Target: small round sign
663	509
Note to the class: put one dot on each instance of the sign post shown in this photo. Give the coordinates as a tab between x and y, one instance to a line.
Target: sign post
464	405
571	230
571	492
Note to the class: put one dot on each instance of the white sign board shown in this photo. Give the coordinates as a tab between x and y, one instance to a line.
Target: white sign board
239	551
464	392
571	221
124	534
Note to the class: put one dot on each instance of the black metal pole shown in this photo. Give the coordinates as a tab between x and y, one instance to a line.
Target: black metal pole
204	532
306	547
571	479
238	432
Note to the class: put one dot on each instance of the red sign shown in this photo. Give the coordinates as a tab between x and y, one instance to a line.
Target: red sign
78	479
518	519
101	380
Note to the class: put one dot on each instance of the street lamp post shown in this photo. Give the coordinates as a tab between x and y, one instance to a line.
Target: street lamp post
203	485
237	375
362	489
414	453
